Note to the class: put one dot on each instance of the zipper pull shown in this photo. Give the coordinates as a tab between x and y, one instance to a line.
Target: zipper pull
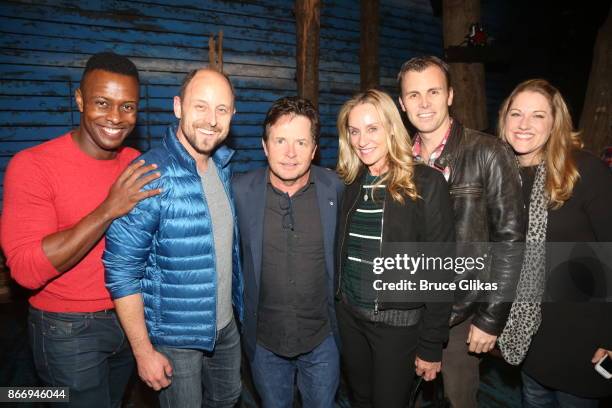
376	307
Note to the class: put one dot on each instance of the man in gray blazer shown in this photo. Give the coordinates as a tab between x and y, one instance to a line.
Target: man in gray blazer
287	217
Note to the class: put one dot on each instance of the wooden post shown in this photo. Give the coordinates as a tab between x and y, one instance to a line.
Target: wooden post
368	52
307	16
596	118
215	52
468	80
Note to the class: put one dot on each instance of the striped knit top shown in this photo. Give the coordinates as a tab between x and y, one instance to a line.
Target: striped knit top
363	243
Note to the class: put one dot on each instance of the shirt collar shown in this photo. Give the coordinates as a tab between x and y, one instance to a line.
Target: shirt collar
416	147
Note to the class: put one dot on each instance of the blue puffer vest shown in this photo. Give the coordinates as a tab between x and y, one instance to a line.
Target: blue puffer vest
164	249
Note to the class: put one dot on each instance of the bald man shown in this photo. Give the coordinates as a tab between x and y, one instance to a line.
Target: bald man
172	264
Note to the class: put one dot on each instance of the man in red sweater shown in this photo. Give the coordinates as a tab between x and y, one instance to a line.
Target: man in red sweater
59	199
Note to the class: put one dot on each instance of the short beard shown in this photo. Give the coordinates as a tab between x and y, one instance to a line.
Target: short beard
192	140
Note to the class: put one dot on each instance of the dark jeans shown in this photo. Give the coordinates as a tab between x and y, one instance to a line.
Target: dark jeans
205	379
535	395
86	352
378	360
318	375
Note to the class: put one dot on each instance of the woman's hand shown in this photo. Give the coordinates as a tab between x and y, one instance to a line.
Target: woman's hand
599	355
426	369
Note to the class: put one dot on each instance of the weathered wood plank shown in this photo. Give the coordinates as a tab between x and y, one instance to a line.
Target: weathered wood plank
248	67
268	55
202	22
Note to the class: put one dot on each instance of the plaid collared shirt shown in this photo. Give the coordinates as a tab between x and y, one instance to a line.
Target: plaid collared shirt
416	152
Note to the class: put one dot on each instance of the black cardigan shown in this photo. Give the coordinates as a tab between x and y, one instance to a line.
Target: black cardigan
573	328
428	219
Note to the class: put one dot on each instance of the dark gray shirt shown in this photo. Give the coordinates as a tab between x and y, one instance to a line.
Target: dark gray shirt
292	315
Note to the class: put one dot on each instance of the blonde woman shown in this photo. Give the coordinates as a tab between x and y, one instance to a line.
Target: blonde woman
561	332
388	199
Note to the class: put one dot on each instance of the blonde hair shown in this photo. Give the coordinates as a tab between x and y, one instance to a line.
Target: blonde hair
561	171
399	177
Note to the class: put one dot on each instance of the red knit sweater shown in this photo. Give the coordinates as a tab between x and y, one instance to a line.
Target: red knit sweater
49	188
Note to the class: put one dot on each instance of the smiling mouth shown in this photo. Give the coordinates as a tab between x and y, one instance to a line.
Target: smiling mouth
207	132
111	131
367	150
523	136
425	115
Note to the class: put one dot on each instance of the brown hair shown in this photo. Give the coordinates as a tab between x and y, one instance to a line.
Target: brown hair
561	170
420	64
293	106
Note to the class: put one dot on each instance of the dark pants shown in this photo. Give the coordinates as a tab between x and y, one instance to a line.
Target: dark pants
205	379
86	352
460	369
378	360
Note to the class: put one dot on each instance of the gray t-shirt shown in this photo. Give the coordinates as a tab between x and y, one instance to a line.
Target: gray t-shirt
223	235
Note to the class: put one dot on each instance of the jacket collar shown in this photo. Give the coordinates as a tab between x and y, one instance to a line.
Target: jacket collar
221	157
452	144
352	190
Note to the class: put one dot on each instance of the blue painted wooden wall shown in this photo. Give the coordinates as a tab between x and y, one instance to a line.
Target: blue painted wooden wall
44	45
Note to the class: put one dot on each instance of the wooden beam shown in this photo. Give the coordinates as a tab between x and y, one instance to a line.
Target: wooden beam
468	79
368	51
307	16
596	118
215	52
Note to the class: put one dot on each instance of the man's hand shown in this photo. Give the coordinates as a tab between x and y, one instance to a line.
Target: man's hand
153	367
480	341
126	192
155	370
427	369
599	355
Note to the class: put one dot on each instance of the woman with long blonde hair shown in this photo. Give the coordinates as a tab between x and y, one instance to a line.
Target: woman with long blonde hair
560	327
388	199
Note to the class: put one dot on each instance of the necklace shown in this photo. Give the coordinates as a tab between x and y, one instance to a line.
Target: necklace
371	182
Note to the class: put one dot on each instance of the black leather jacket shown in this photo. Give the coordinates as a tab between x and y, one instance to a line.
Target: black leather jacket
486	196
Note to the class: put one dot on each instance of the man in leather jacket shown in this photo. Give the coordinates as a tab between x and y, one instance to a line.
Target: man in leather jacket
485	192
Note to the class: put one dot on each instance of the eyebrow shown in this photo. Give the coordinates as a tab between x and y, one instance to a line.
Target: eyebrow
113	99
535	111
437	88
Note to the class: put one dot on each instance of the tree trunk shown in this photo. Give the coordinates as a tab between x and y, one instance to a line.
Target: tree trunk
368	52
307	13
596	118
468	80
